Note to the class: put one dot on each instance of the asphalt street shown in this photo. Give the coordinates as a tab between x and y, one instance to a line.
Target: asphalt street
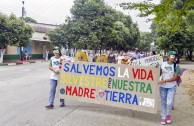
24	93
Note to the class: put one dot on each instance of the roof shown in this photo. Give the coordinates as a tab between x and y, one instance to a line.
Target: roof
43	28
40	37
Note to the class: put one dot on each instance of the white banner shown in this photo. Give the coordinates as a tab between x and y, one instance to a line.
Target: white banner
148	61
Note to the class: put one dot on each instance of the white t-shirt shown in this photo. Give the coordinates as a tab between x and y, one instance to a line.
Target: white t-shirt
90	58
55	63
119	58
168	73
97	54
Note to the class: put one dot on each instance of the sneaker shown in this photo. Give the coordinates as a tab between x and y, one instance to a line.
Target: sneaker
163	122
49	106
62	105
168	119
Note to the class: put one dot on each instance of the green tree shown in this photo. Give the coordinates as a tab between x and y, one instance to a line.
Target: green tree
171	28
94	25
13	31
163	11
145	40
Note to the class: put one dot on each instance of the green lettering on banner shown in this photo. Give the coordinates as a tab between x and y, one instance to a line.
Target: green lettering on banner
131	87
142	87
125	85
149	88
114	84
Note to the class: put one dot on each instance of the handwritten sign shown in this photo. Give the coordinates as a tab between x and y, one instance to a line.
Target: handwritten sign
125	86
148	61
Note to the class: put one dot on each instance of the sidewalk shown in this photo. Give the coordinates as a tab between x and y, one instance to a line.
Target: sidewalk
18	62
183	61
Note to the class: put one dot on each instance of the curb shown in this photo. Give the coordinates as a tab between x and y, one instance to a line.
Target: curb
3	64
19	63
11	64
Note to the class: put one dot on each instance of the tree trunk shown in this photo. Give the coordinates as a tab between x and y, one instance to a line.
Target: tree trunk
21	54
2	51
101	48
190	55
178	58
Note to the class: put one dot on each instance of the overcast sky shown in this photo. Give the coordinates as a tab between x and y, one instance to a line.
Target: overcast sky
55	11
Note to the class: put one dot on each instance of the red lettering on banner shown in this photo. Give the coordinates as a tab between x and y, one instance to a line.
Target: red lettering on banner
135	73
142	74
74	91
86	92
80	92
150	75
68	90
92	93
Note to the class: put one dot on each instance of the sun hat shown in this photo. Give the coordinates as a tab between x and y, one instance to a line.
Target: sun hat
171	53
57	48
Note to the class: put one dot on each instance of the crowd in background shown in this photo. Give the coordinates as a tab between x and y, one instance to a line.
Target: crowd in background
123	57
111	56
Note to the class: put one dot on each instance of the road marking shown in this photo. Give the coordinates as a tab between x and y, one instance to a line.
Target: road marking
11	64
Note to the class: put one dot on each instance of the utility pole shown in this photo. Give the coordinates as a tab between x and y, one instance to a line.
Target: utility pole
21	48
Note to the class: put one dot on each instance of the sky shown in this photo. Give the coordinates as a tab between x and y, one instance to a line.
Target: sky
55	11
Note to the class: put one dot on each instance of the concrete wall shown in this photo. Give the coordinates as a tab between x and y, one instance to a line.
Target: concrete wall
11	50
37	50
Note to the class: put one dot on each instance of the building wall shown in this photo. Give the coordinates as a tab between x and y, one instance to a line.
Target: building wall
37	50
27	48
11	50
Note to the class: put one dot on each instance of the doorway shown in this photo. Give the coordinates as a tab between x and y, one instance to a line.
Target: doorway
44	50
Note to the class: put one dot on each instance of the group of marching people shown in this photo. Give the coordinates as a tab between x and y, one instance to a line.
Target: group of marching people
169	74
121	58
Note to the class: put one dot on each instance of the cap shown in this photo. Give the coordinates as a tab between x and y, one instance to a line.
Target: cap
56	48
136	48
171	53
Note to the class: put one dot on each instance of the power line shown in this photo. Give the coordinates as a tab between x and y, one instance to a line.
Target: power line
37	15
44	7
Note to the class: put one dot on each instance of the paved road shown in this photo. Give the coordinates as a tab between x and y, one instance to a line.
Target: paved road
187	66
24	93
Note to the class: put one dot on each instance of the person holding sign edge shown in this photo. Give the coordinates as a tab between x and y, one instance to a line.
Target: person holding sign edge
54	67
168	84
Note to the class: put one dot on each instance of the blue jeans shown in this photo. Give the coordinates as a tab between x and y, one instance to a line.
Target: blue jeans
53	86
167	99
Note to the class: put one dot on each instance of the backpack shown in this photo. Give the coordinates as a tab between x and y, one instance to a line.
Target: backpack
179	80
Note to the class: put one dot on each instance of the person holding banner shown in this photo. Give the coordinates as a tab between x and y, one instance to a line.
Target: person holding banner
120	58
168	86
136	54
111	57
54	66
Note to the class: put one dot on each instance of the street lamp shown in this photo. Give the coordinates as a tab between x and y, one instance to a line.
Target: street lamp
21	48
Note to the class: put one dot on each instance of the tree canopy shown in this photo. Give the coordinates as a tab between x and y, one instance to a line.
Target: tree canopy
172	27
14	31
145	41
95	25
163	11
